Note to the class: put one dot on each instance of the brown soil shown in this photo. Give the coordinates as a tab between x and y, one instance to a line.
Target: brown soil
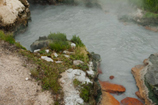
14	89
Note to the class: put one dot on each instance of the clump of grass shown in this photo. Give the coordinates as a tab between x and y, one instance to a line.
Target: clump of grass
57	37
17	44
151	15
59	42
77	41
59	46
80	54
9	38
76	83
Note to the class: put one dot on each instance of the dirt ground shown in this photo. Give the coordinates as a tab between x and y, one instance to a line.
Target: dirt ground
14	88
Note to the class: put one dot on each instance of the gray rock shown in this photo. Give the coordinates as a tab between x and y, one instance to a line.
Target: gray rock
47	58
77	62
95	57
152	75
40	43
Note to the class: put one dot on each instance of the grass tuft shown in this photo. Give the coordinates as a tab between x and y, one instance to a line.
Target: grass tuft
59	46
77	41
80	54
57	37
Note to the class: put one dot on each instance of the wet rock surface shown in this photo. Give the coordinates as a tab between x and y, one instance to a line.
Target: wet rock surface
108	99
131	101
112	88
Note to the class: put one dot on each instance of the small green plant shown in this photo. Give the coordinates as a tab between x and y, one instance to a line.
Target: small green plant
2	35
59	42
77	41
57	37
76	83
56	103
42	51
59	46
34	73
85	92
80	54
83	66
18	45
7	37
151	5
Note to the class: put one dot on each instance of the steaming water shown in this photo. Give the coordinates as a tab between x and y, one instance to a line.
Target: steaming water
120	46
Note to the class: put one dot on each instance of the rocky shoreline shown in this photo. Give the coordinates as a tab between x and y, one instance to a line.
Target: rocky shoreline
89	77
138	17
146	79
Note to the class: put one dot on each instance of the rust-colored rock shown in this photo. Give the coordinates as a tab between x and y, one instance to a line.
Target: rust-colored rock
138	73
151	28
131	101
145	62
112	88
111	77
108	99
138	95
100	71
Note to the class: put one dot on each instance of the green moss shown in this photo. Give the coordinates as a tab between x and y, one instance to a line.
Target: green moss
56	103
151	94
85	92
83	66
76	83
